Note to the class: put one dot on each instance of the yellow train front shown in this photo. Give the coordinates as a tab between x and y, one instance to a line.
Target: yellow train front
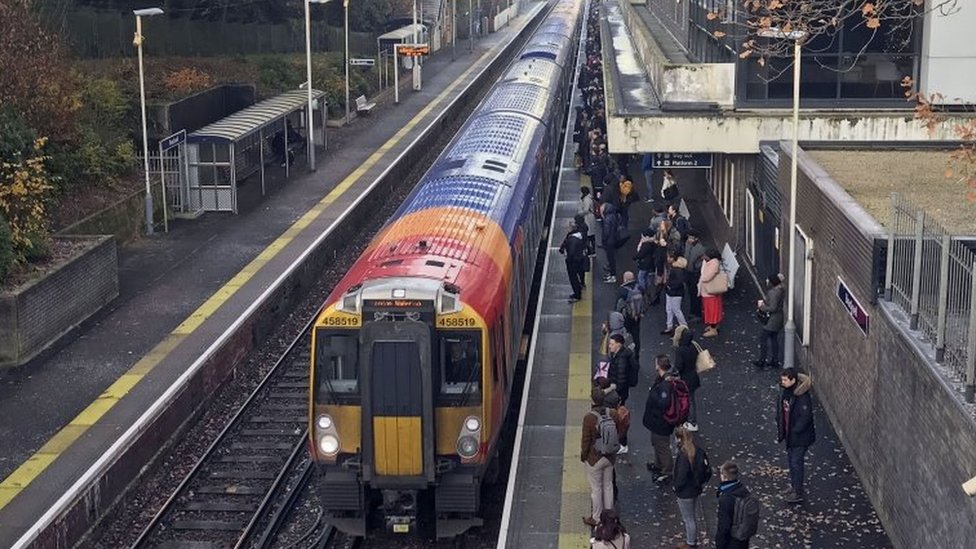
413	356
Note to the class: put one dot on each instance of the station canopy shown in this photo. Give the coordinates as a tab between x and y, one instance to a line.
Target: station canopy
247	121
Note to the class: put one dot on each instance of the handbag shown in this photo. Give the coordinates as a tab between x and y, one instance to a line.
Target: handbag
762	316
586	264
704	362
718	285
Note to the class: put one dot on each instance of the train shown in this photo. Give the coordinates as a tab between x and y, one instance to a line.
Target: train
413	354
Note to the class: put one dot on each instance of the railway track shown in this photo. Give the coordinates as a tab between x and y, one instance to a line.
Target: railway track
243	487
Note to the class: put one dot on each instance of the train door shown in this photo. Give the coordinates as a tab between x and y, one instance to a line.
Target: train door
398	417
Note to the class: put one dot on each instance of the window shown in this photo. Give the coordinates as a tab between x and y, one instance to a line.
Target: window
337	362
722	177
460	363
751	226
803	284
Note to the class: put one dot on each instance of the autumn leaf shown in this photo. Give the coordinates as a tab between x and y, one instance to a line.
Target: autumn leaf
867	9
774	5
711	16
948	173
762	62
718	34
745	54
873	23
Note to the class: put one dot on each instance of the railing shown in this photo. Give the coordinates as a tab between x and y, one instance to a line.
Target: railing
930	275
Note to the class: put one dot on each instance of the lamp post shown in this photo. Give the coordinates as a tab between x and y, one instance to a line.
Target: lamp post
416	40
789	331
345	15
308	82
137	42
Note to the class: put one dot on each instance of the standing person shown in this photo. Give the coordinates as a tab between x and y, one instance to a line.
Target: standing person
646	248
772	308
624	370
794	422
647	168
711	303
729	491
630	303
685	366
587	207
669	187
695	254
610	534
621	415
611	237
627	195
674	289
657	402
574	248
691	472
678	221
598	466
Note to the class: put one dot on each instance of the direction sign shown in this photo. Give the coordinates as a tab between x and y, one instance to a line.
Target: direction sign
682	160
413	50
361	62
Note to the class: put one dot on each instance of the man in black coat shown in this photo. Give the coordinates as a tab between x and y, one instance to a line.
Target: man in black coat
794	422
657	402
730	489
623	371
574	248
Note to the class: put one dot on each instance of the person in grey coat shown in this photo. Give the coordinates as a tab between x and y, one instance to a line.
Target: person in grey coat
772	307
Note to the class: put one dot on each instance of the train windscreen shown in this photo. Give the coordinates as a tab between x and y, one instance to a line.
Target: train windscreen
337	363
460	367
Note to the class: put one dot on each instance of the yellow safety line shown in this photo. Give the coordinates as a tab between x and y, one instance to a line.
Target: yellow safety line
575	500
37	463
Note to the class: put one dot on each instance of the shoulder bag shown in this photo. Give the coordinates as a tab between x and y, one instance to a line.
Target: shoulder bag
704	362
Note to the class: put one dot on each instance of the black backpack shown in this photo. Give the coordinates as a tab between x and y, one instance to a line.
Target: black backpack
745	518
701	471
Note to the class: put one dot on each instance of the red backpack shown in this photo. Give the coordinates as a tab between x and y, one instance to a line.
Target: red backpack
676	412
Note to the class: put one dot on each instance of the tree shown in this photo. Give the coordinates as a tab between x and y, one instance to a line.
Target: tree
749	24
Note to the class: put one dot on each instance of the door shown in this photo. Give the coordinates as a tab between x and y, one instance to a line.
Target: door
397	406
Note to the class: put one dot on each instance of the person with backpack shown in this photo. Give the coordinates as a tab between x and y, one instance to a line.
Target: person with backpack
587	207
658	402
686	367
630	303
691	472
738	510
598	451
678	221
674	291
794	422
624	369
574	248
610	534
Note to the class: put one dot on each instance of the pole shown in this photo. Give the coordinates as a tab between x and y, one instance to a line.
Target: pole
470	27
308	83
453	29
789	343
396	73
145	131
970	389
416	40
345	9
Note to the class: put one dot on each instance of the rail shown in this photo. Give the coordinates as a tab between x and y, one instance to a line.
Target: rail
931	275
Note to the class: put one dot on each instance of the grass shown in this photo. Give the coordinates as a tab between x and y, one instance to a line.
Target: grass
871	176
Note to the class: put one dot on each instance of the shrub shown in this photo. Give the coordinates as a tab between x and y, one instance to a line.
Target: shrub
24	188
186	81
6	250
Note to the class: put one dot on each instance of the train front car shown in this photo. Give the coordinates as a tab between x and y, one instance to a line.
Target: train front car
413	358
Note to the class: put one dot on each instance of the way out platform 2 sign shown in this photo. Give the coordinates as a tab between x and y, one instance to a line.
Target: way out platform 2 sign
681	160
361	62
857	313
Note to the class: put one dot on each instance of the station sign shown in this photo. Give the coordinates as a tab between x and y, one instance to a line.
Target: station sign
169	142
413	50
365	62
681	160
853	306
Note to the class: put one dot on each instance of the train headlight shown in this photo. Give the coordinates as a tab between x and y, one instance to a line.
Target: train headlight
329	444
472	424
325	422
467	447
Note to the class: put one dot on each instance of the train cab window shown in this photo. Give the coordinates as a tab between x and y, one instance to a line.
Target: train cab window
460	363
337	363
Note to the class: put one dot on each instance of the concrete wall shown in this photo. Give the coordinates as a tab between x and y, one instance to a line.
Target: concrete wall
909	436
948	63
679	83
37	315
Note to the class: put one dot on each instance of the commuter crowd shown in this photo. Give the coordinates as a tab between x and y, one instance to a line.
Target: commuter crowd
677	271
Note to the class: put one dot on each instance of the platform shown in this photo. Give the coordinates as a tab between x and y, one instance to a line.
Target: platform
548	493
183	294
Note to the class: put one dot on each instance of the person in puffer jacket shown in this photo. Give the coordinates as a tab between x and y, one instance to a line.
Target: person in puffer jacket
794	422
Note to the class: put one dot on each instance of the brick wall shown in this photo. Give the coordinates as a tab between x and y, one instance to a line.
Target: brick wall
906	431
39	314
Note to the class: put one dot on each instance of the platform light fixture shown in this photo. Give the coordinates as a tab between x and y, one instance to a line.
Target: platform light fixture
137	41
789	331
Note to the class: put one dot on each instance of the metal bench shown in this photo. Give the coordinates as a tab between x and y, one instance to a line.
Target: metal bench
362	105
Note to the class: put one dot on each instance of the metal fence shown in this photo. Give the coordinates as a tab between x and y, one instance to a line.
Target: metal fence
930	275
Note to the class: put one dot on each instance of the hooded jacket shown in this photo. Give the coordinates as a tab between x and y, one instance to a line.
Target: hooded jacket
794	416
773	304
727	493
657	401
685	357
675	286
611	224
